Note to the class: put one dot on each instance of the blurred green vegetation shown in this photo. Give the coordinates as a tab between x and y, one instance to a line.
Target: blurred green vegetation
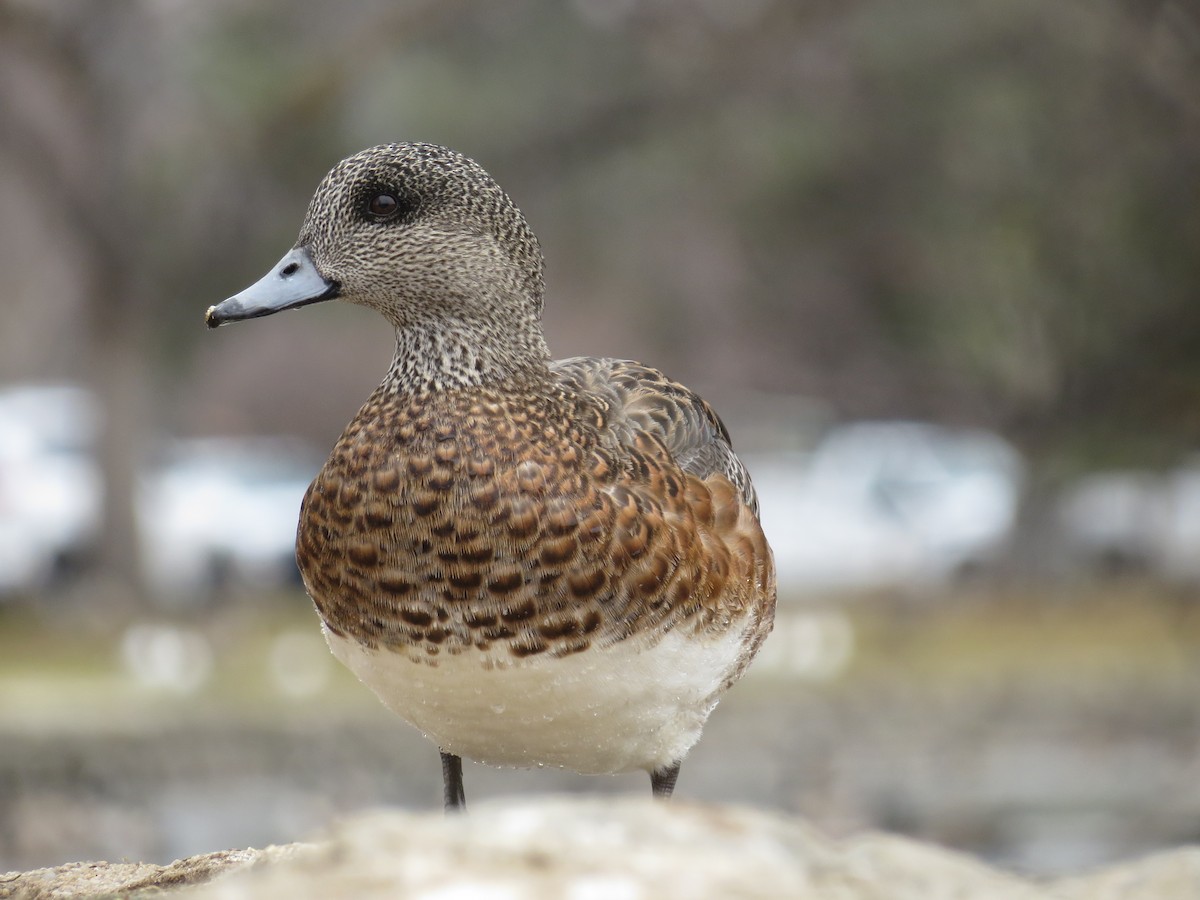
67	670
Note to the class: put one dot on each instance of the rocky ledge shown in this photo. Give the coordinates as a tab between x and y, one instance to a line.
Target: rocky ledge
596	848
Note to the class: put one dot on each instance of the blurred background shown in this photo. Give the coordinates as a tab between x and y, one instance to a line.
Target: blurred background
936	263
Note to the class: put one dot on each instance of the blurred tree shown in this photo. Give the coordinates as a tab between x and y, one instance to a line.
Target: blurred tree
109	124
70	86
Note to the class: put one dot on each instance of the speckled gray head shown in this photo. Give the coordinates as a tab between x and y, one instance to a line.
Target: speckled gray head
417	231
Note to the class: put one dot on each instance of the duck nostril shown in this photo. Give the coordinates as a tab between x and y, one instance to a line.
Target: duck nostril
290	269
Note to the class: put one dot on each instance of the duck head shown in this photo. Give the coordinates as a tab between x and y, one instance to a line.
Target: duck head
420	233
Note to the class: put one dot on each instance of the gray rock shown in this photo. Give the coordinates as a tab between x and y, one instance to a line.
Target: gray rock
85	880
616	849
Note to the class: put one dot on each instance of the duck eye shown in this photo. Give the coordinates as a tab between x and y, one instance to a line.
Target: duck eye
383	206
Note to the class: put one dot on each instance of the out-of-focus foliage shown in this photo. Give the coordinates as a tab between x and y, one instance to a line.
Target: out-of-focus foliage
974	211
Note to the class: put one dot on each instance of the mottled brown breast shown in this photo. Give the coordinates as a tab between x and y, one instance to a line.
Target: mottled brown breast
513	521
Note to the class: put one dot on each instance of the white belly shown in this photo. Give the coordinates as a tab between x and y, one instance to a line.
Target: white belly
611	709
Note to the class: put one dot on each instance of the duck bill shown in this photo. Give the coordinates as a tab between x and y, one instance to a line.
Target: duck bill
292	282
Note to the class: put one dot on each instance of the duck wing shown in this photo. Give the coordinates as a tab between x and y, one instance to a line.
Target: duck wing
637	398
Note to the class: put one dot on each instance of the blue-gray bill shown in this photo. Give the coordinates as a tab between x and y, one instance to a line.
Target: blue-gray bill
292	282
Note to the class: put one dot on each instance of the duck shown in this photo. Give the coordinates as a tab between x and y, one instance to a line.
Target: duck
533	561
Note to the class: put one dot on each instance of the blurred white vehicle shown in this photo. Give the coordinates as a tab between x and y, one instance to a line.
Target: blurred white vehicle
1179	551
219	512
1114	521
881	504
50	489
1135	521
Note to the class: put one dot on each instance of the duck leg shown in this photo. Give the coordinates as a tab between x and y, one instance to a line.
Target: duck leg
662	781
452	779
